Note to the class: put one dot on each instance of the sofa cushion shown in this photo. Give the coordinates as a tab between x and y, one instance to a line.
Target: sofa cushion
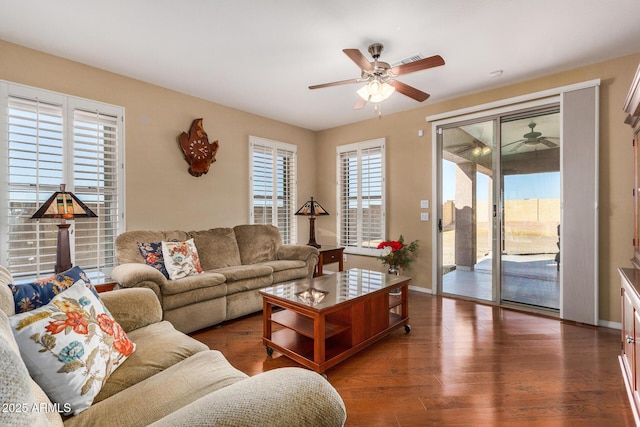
242	272
249	284
163	393
158	346
29	296
257	242
70	346
152	254
286	271
217	248
282	265
127	248
207	279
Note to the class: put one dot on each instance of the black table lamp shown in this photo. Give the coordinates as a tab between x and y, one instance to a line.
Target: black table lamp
63	204
312	209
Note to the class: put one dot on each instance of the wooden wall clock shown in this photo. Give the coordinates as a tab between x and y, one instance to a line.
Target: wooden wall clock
198	151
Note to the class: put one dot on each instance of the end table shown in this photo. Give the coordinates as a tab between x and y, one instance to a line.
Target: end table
329	255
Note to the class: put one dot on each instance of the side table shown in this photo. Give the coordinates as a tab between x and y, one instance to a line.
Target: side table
329	255
105	284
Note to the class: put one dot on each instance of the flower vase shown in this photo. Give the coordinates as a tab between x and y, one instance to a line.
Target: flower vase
393	269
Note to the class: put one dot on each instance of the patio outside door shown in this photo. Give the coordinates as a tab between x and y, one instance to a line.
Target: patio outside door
500	211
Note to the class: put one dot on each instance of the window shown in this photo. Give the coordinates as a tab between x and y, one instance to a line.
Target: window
361	198
48	139
273	185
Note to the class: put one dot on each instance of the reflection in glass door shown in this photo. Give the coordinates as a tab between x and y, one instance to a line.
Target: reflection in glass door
467	210
530	165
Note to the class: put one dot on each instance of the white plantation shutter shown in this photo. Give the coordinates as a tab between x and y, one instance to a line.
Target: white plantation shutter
272	166
35	155
95	167
361	196
49	139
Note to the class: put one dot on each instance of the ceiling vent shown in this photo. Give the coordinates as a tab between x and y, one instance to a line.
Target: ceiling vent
412	58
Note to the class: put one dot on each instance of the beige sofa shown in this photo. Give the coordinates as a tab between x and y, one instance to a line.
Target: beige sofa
169	380
237	263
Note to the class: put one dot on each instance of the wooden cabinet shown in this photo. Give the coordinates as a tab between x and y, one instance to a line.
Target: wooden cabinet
630	337
630	277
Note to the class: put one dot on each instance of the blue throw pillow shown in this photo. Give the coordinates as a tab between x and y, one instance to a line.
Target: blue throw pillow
152	254
29	296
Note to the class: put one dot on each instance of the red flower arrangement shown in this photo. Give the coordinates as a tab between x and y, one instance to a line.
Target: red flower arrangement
396	253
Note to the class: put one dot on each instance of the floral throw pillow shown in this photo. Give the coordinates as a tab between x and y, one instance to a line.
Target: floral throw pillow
71	346
29	296
181	259
152	254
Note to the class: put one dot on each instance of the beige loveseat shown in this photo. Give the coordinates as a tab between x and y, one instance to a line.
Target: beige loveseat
169	380
237	263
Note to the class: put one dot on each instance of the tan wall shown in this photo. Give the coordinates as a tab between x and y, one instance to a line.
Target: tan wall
409	165
160	193
155	168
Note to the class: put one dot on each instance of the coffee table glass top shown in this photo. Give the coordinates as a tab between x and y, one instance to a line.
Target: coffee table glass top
331	289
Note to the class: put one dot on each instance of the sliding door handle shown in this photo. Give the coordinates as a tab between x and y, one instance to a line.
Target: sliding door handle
440	225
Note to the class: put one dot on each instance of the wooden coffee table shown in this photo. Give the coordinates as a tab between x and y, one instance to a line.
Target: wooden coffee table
327	319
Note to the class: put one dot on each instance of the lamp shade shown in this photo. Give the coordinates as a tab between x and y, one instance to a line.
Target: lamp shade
63	204
312	208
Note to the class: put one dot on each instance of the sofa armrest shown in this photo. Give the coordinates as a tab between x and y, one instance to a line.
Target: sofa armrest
133	308
305	253
136	275
281	397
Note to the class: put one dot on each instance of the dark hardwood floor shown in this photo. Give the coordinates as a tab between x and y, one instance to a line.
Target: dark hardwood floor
464	364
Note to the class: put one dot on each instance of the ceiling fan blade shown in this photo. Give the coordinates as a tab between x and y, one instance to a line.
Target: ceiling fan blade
421	64
517	147
511	143
360	104
361	61
548	143
338	83
409	91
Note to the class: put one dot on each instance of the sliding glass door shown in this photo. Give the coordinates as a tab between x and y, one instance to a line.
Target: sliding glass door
467	228
530	200
499	219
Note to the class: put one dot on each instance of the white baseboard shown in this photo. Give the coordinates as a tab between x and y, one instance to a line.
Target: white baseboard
420	289
608	324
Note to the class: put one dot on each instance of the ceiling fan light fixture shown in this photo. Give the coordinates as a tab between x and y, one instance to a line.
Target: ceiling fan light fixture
376	91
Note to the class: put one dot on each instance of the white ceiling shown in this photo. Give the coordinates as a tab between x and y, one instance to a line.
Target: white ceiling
260	56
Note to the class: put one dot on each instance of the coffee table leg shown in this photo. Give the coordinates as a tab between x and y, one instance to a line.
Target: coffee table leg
266	323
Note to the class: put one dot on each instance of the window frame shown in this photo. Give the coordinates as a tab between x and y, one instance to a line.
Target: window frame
288	225
104	254
359	148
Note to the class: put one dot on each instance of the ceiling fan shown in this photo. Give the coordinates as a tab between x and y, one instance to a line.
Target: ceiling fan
533	138
381	77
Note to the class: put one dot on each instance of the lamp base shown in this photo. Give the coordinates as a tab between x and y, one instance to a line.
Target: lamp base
63	254
312	233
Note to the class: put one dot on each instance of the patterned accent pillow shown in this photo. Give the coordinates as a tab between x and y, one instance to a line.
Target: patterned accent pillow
181	259
152	254
29	296
71	346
